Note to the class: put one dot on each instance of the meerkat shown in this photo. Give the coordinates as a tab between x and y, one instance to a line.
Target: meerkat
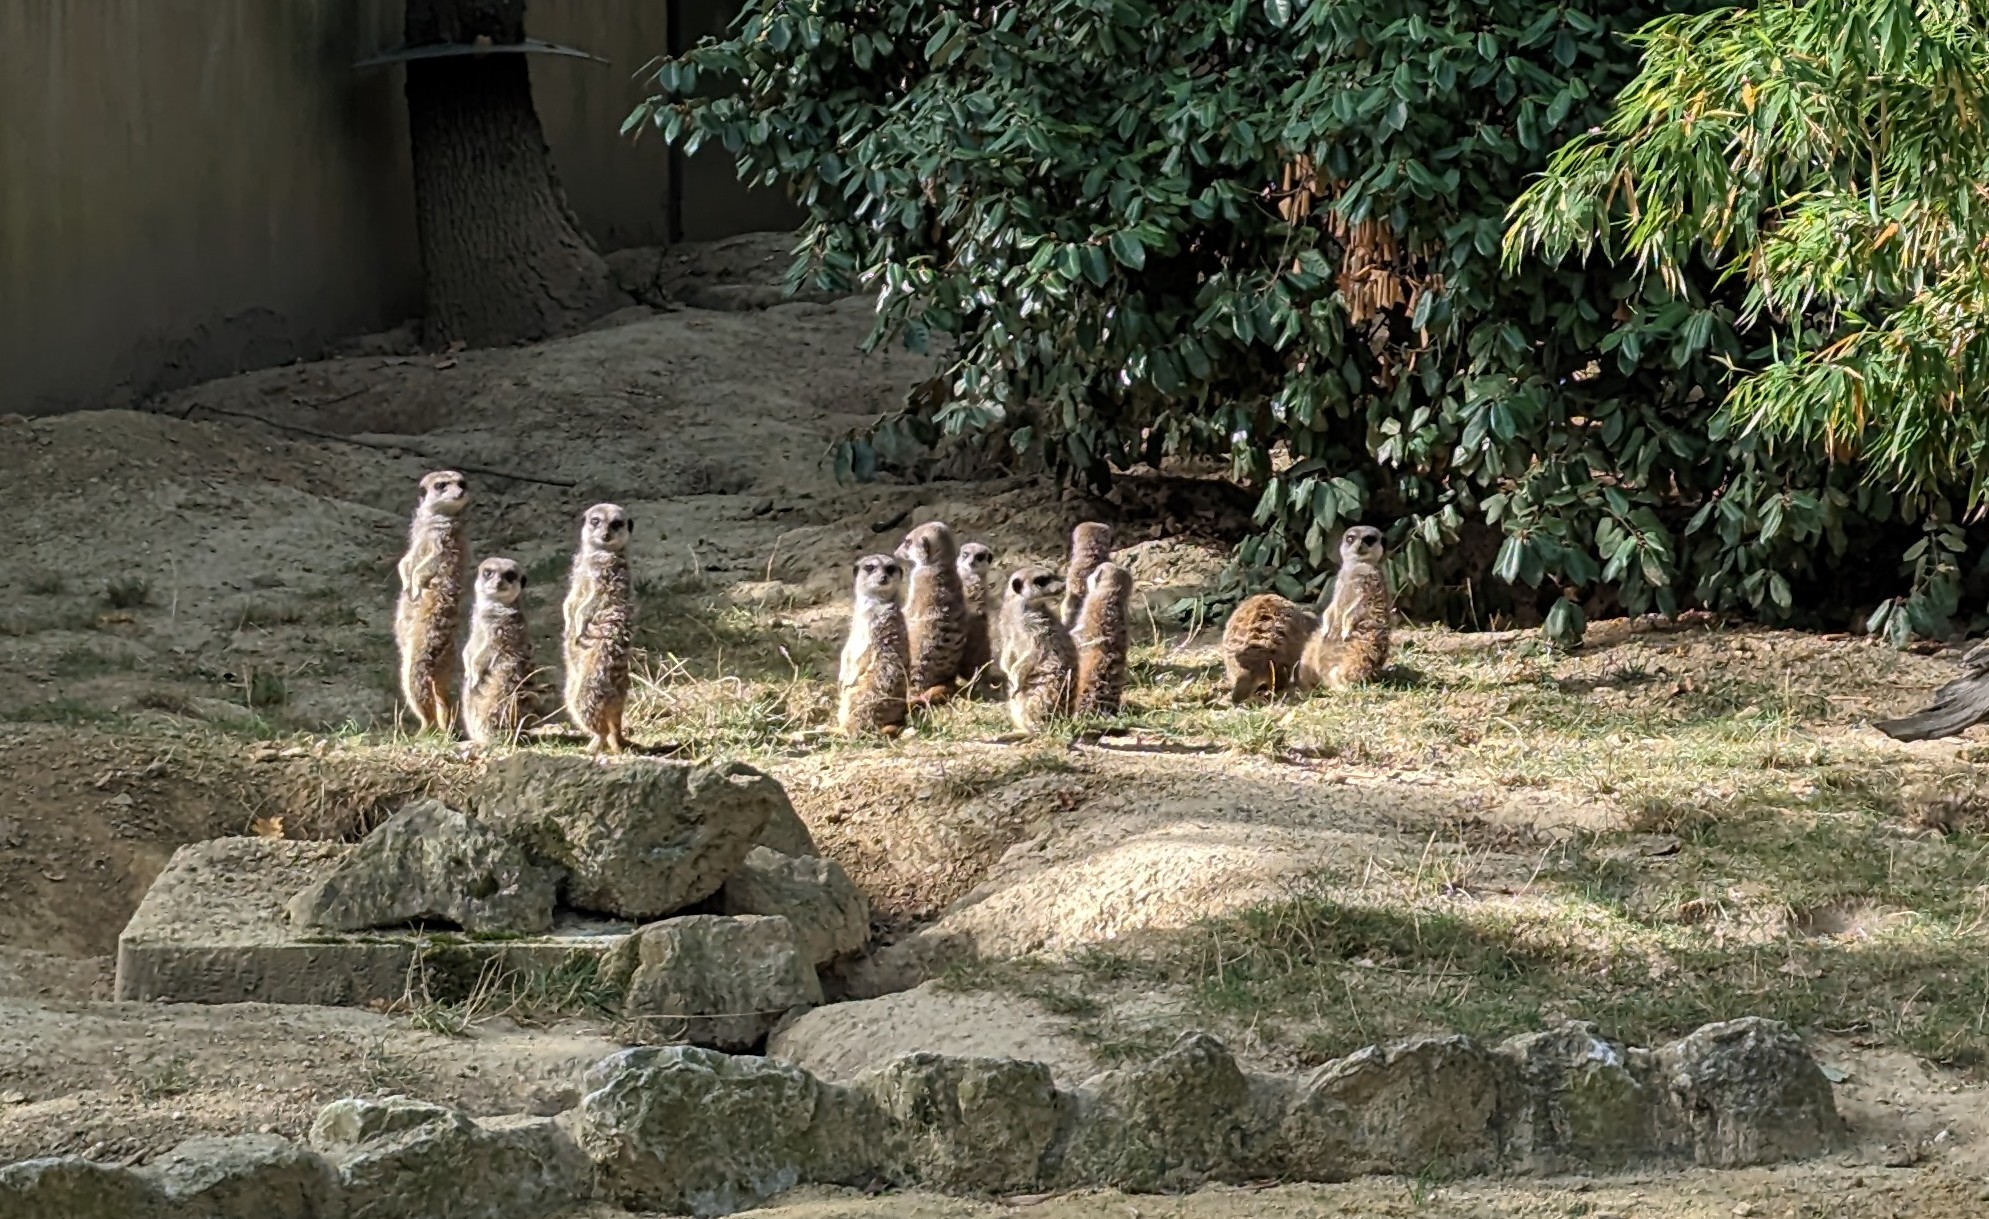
432	572
976	567
1037	655
1263	644
877	657
1090	545
1102	637
935	610
1352	643
497	660
600	623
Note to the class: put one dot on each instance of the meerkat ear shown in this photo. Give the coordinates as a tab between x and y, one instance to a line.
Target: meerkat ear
523	580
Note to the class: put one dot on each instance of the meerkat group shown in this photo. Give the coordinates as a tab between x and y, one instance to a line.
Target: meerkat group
926	621
932	617
502	692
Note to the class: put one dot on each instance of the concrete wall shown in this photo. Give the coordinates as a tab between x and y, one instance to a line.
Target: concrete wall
191	188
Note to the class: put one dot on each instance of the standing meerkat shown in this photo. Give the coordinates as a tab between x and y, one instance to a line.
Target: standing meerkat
935	610
877	657
1037	655
497	660
600	625
1352	643
433	572
1263	644
1103	636
1090	545
976	567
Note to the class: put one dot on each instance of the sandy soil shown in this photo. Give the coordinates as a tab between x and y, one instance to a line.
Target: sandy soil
190	579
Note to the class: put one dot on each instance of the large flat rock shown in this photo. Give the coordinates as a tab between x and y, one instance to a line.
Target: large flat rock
213	929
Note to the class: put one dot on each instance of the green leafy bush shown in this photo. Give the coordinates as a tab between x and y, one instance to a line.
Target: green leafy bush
1271	231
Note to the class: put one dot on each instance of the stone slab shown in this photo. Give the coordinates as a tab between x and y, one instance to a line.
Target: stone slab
213	929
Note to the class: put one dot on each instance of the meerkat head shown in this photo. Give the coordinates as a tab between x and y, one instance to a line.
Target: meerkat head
606	527
1110	580
1035	586
443	492
500	580
930	545
1361	543
1092	537
880	577
975	560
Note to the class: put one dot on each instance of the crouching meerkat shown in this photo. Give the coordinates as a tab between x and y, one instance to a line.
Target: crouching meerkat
877	657
600	625
1037	655
1102	637
1263	644
433	572
935	610
1090	545
976	567
497	661
1352	643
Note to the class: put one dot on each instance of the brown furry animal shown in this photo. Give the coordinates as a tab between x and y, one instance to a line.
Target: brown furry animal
600	627
1090	545
1263	643
976	567
1103	636
1037	655
433	573
1353	640
498	697
935	610
877	657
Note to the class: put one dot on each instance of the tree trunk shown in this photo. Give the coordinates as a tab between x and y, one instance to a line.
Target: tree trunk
503	258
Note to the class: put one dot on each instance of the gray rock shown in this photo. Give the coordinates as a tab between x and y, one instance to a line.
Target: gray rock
1429	1103
1579	1103
830	915
966	1125
429	861
637	837
251	1176
712	980
1744	1092
407	1159
1187	1117
786	832
73	1188
684	1130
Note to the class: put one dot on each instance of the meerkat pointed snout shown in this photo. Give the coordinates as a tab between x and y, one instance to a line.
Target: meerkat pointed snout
1037	656
874	677
935	609
497	659
426	614
599	630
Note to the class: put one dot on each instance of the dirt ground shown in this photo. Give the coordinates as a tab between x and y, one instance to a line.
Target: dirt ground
194	642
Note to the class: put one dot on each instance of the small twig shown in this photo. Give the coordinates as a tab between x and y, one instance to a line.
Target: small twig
378	445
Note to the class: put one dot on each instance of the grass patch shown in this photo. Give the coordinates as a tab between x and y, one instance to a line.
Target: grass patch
67	711
1830	923
164	1077
530	996
128	592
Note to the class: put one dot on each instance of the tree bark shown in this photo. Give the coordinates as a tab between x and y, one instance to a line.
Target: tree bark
503	258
